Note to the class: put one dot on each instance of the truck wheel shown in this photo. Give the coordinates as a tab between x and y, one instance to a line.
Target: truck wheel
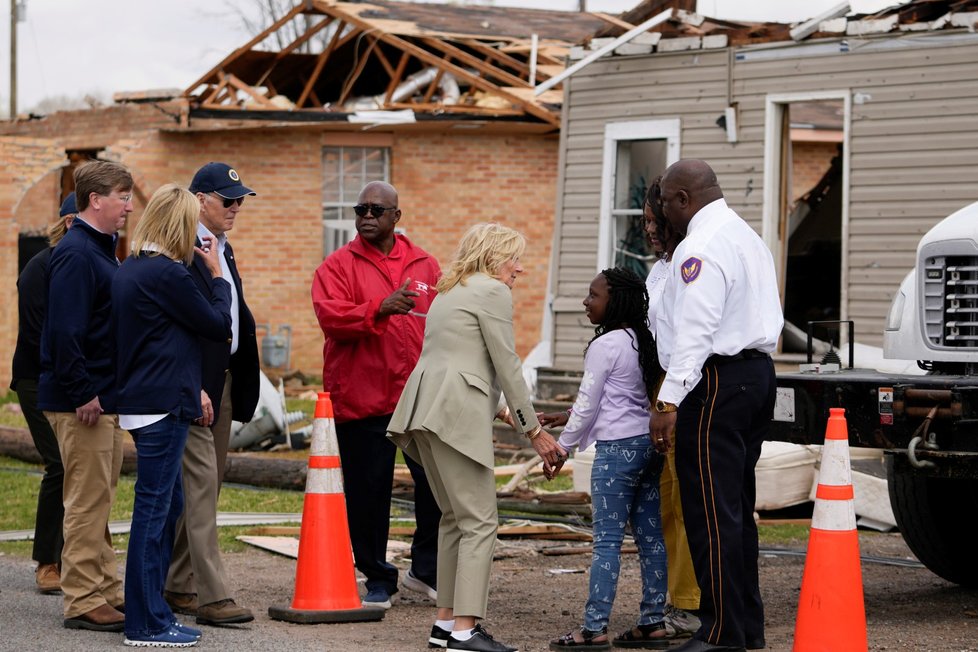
938	518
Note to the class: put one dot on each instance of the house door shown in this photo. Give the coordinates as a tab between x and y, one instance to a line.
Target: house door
635	153
806	211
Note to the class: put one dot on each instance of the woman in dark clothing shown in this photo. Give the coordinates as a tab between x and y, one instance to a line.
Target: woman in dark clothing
158	316
32	296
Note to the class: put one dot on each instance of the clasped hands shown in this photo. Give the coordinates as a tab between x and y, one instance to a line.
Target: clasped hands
543	443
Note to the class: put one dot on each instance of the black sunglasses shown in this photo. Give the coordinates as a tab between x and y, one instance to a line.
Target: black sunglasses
376	210
228	201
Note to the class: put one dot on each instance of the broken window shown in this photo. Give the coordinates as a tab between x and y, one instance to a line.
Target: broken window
346	170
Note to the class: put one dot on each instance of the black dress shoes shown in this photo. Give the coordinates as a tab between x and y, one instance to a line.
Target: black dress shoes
696	645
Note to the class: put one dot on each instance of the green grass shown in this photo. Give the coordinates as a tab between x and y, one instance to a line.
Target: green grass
19	484
788	535
10	414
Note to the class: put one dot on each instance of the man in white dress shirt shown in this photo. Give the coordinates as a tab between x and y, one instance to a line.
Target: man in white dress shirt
719	322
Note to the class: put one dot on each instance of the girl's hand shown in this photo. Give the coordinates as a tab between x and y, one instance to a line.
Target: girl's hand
550	471
552	419
208	251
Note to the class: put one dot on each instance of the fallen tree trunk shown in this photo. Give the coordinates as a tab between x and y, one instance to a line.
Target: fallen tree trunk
242	468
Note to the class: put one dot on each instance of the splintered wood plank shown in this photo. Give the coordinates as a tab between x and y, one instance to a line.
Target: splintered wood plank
487	70
396	77
298	9
613	20
434	84
348	87
501	57
308	34
251	92
383	61
320	63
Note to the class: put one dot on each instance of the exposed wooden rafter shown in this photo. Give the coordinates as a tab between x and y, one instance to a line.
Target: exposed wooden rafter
483	59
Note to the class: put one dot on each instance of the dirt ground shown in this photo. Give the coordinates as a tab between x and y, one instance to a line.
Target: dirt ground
906	608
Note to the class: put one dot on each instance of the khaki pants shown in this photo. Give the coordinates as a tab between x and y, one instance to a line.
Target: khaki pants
196	565
92	458
684	592
466	493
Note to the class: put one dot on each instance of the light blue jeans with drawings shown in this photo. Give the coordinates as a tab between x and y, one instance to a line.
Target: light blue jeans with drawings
625	488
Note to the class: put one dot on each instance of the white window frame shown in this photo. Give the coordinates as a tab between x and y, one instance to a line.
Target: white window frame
336	233
615	132
774	107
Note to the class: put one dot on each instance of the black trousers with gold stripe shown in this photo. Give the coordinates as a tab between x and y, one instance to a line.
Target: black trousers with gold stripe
719	430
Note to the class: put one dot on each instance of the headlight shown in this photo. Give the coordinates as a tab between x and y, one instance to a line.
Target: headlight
895	316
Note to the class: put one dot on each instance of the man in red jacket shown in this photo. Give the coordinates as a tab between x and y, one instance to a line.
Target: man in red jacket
371	298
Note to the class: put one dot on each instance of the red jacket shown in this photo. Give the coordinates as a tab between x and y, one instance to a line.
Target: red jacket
367	358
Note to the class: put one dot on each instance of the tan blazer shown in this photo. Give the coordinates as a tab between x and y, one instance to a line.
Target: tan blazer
467	357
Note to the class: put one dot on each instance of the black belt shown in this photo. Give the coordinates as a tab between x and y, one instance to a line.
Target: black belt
746	354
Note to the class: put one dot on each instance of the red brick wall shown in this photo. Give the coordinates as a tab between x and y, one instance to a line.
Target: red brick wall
25	163
449	182
809	161
446	182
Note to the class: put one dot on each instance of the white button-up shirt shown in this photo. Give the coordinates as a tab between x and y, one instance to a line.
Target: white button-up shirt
222	241
721	298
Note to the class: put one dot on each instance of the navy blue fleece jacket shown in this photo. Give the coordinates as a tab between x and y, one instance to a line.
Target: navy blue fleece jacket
158	314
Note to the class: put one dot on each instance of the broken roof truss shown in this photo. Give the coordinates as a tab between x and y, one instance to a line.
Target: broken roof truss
350	56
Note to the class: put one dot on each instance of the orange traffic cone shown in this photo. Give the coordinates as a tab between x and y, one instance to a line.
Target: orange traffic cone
325	584
831	614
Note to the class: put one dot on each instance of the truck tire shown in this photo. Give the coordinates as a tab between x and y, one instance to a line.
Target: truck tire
938	518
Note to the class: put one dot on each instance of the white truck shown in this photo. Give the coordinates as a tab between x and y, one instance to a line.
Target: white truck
926	424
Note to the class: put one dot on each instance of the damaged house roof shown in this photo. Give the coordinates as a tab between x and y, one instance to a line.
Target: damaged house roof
687	30
345	57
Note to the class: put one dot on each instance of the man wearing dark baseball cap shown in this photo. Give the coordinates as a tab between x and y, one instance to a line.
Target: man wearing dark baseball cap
197	584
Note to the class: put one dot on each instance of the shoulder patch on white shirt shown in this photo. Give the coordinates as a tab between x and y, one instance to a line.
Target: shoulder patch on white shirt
690	269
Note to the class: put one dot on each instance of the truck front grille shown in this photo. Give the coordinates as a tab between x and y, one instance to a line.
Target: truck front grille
951	301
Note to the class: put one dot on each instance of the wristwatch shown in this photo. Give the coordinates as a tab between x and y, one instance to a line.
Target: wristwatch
662	406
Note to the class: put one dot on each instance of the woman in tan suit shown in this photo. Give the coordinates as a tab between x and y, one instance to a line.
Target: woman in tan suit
444	420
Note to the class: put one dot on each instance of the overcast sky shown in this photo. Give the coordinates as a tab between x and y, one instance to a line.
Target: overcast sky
77	47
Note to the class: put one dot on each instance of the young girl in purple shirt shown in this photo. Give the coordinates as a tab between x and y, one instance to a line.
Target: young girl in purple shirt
612	409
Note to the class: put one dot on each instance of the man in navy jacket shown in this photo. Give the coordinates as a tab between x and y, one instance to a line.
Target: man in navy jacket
197	582
77	392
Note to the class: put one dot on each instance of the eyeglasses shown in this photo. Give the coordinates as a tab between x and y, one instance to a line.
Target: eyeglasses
376	210
228	201
125	198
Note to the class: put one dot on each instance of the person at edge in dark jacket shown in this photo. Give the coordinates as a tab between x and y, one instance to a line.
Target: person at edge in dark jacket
32	297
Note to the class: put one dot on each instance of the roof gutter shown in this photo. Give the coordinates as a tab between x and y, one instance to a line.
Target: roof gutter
597	54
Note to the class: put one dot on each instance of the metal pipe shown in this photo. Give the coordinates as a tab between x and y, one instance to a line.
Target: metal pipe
594	56
534	44
13	59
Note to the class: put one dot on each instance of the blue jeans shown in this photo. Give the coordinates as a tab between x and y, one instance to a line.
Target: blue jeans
625	488
159	503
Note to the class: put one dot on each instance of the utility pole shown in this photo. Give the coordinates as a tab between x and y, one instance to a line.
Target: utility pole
13	59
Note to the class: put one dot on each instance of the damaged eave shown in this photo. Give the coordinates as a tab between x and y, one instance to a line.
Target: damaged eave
374	59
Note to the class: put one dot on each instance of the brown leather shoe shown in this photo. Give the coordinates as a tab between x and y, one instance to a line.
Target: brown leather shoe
223	612
181	603
100	619
48	578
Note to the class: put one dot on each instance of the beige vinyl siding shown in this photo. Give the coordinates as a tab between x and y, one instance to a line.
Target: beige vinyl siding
913	151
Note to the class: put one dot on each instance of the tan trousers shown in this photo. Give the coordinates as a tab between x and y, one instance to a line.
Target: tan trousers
92	457
683	589
196	565
466	494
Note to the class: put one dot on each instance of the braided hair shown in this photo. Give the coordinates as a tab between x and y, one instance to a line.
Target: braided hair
628	307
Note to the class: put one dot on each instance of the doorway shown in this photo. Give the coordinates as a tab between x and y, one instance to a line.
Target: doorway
806	190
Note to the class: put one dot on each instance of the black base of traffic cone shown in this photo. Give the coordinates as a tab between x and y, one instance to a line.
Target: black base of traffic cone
310	617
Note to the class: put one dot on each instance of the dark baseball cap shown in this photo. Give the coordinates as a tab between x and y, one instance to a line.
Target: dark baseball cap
222	179
68	206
